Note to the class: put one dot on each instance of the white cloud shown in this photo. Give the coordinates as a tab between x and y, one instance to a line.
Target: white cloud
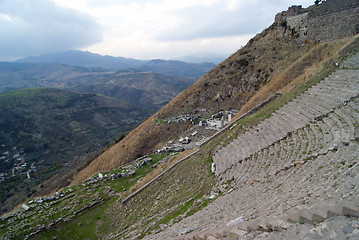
170	28
146	28
40	26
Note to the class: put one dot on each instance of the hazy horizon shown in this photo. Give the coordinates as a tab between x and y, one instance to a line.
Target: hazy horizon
139	29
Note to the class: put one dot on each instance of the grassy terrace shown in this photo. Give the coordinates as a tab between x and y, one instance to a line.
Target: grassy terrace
76	204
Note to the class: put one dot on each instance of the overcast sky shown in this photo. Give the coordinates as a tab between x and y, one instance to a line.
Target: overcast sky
143	29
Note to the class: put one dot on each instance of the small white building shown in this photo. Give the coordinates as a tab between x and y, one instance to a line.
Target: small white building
25	207
185	140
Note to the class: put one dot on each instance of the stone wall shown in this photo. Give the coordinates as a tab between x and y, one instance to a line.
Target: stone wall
333	19
331	6
334	25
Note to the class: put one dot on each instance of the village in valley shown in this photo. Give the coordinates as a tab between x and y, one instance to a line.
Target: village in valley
13	162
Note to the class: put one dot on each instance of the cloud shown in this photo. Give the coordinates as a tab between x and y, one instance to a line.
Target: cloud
40	26
134	28
171	28
222	18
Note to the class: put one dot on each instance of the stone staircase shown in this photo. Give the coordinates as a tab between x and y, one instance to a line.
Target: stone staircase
352	62
315	103
305	157
322	211
314	215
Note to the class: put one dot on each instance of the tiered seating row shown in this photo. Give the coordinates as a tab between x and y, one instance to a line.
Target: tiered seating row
318	101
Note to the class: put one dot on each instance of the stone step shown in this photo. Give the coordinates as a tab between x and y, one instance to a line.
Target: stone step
318	137
339	86
269	125
297	115
345	77
294	122
243	167
351	209
305	216
348	81
302	104
338	98
328	138
321	99
342	113
315	98
268	133
239	149
295	108
321	214
281	124
287	120
336	95
307	104
322	211
264	137
310	140
264	226
352	62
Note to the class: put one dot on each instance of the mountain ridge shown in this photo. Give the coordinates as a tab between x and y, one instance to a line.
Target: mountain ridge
309	154
97	61
84	59
125	84
215	98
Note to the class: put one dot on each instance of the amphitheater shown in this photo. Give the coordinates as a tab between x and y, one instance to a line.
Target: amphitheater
293	176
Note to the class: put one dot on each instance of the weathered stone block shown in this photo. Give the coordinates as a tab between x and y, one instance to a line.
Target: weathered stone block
306	216
349	209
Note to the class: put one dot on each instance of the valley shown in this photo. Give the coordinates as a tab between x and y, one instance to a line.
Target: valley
263	146
60	116
45	132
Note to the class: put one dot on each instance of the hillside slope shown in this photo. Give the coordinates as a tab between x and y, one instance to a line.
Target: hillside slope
84	59
145	90
291	181
271	62
44	131
286	170
302	171
97	62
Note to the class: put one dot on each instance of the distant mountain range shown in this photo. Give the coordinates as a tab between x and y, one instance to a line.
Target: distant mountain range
84	59
146	90
146	84
190	66
50	109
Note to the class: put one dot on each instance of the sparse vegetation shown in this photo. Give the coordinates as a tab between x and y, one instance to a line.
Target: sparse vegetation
185	189
53	127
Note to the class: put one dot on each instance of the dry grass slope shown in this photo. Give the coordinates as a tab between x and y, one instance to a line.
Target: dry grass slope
251	75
